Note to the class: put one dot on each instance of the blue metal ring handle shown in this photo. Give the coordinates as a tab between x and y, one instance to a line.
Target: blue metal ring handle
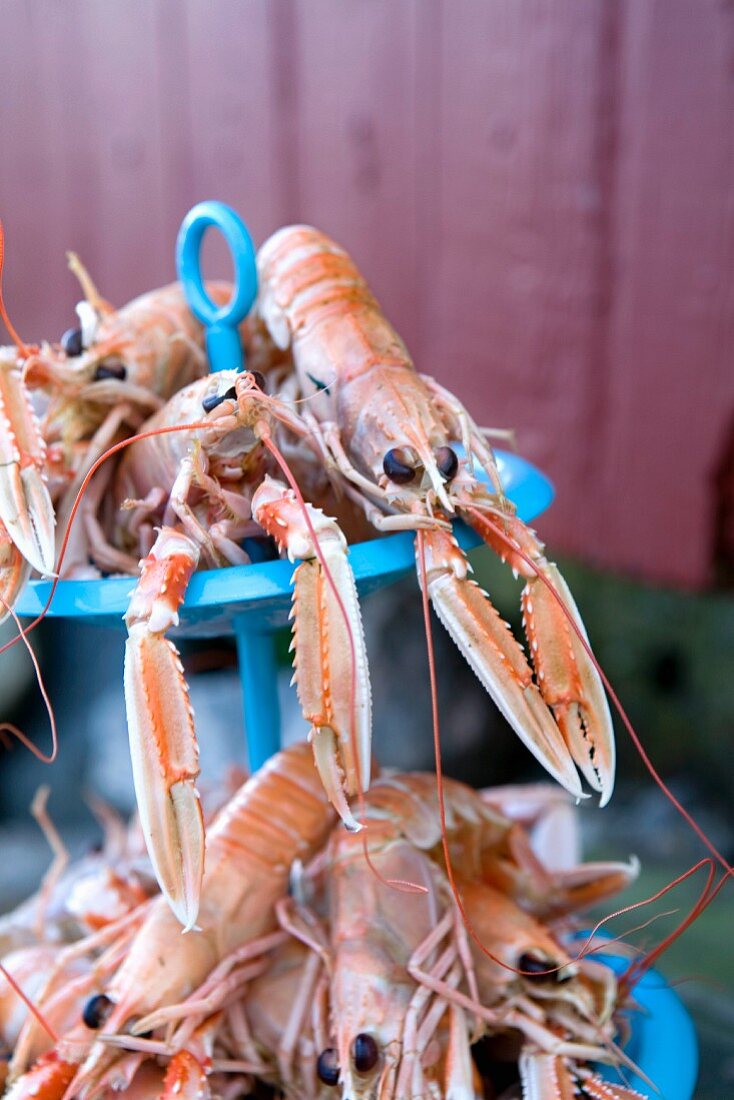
222	338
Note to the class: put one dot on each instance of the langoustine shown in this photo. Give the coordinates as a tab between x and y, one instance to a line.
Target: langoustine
208	487
391	434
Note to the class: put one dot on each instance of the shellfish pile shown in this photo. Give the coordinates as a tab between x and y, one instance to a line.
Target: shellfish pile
325	961
330	927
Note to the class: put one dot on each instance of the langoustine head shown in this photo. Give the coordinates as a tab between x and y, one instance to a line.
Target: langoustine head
143	352
381	914
528	965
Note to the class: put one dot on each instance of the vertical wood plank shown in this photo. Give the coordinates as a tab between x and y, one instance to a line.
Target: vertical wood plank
174	121
670	396
37	185
80	163
233	111
117	73
355	109
513	295
117	128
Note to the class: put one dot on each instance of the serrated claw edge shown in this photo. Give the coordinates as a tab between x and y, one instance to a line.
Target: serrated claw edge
28	514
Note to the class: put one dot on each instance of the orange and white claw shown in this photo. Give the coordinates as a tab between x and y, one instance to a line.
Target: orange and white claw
331	671
186	1079
25	502
545	1076
595	1088
493	653
549	893
163	747
14	572
48	1079
570	683
546	871
588	884
568	680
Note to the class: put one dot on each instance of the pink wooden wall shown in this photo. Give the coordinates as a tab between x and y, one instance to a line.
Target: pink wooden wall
542	194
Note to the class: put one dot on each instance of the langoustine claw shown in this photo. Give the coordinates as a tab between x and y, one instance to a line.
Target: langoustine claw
163	748
566	677
330	662
26	510
14	572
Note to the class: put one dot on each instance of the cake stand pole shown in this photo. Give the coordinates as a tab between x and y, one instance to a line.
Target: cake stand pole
258	665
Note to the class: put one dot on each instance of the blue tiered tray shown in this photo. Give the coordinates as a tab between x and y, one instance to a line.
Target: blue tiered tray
252	603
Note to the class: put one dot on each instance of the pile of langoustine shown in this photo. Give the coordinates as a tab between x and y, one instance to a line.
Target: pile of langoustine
330	429
326	961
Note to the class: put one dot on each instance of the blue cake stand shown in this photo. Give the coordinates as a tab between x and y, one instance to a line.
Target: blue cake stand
251	603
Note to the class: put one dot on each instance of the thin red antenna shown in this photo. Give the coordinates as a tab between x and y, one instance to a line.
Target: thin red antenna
439	767
687	817
704	900
23	348
8	727
398	884
637	969
705	862
29	1004
401	885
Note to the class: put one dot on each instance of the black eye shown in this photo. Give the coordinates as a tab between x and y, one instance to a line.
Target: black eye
364	1053
215	399
96	1011
212	401
258	379
110	370
327	1067
533	967
71	342
447	462
396	468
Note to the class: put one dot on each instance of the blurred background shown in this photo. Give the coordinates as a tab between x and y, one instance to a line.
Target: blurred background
542	197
